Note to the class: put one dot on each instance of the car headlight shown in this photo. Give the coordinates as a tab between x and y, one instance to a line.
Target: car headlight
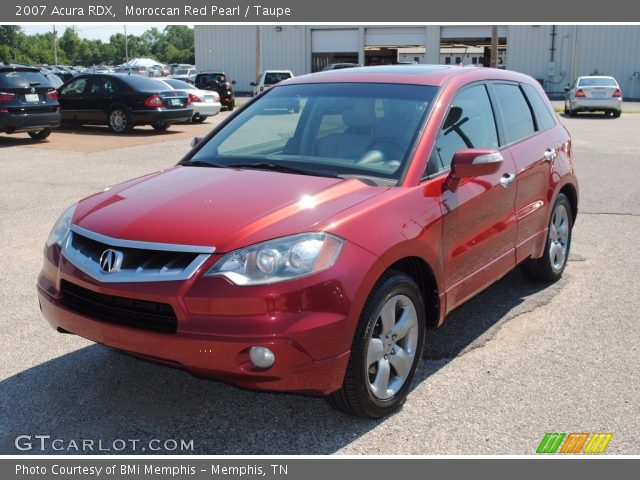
60	229
278	260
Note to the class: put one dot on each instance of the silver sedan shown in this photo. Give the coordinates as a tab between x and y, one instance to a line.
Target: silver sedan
206	103
594	94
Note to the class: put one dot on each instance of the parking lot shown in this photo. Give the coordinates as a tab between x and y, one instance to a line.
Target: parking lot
517	361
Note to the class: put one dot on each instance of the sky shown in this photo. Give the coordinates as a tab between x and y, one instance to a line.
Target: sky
94	32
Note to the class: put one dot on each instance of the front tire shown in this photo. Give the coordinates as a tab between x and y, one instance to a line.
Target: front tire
551	265
386	349
40	134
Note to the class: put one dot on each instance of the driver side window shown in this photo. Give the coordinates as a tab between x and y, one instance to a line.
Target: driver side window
470	123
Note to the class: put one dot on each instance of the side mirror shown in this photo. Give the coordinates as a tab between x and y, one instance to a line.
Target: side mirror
233	82
253	84
196	141
471	162
566	89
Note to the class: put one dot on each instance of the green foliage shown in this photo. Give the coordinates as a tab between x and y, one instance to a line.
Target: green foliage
173	45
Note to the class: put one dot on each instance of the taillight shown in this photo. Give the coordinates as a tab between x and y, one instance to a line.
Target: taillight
6	97
194	99
53	94
617	93
580	93
154	101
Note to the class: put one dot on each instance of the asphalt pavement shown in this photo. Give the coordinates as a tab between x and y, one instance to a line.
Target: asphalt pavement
517	361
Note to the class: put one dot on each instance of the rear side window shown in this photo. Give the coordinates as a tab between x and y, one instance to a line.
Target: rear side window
13	79
543	114
516	114
469	124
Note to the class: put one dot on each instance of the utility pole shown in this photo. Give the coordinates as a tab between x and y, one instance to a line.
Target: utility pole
258	50
55	46
126	46
494	47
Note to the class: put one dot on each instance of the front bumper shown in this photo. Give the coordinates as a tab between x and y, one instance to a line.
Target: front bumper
307	323
145	117
28	122
596	104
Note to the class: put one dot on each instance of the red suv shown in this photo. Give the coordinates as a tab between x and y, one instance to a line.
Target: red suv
308	251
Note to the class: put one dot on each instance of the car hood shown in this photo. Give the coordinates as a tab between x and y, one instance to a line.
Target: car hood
217	207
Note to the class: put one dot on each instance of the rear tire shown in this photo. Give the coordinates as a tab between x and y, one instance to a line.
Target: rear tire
572	113
160	126
387	347
119	121
40	134
551	265
199	119
616	113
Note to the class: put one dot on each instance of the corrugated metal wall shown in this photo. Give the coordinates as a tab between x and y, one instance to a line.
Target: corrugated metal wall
607	49
233	49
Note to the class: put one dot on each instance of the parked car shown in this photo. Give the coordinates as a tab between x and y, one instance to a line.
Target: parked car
218	82
340	66
205	103
268	79
54	80
594	94
28	101
311	252
122	101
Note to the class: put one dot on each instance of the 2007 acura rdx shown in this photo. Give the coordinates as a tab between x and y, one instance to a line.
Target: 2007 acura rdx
308	249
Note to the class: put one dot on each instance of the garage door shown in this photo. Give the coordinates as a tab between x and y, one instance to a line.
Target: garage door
395	36
339	40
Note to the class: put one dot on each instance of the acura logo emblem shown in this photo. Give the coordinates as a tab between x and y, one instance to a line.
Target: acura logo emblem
111	261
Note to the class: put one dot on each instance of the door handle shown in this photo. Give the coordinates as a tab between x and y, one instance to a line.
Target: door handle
506	179
550	154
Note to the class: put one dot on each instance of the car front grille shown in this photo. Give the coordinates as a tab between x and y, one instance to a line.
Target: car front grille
142	314
140	261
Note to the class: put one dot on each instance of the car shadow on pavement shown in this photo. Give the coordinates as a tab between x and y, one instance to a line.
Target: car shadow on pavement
100	394
101	130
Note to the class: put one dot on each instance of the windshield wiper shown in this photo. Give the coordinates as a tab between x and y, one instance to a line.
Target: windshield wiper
201	163
276	167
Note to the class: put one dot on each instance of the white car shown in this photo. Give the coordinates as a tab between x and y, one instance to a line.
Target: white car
594	93
268	79
206	103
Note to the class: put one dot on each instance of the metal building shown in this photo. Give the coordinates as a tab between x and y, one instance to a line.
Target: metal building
554	55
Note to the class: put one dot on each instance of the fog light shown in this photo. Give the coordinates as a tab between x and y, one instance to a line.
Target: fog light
262	357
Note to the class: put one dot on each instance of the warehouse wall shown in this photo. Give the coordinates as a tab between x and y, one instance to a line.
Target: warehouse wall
233	49
608	49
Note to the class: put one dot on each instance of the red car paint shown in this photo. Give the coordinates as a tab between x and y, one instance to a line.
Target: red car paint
467	238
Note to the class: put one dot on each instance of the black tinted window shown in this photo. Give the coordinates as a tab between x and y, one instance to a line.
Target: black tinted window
143	83
271	78
469	124
75	88
22	79
543	114
518	121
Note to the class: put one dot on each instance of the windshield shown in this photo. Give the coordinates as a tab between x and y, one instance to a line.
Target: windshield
352	129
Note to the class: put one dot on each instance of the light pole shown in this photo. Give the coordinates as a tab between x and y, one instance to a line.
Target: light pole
126	46
55	46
